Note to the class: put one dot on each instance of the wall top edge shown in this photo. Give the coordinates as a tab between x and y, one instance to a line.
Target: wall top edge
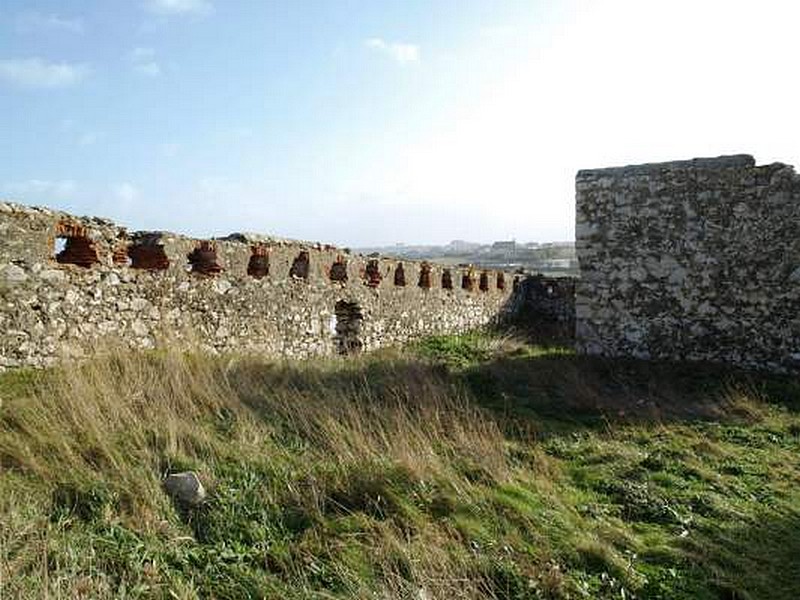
719	162
110	231
50	214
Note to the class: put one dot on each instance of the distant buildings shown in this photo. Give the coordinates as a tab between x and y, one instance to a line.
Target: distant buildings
461	246
505	247
533	257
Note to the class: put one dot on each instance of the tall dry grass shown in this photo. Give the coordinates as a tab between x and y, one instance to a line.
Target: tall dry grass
126	417
374	477
329	428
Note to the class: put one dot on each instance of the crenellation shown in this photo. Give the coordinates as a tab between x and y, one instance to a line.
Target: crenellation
239	293
258	263
483	283
425	279
399	275
468	280
372	273
338	270
447	279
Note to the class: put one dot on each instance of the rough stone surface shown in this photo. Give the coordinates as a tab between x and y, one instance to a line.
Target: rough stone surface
547	308
185	488
691	260
51	309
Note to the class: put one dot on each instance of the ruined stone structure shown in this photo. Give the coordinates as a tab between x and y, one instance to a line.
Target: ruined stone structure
67	283
695	260
545	308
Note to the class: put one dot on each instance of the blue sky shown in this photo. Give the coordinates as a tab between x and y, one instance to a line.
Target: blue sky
377	122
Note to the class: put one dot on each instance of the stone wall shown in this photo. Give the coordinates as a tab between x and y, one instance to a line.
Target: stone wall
695	260
68	283
545	309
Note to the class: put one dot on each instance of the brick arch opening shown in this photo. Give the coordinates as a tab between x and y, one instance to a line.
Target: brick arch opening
301	266
78	251
501	281
148	256
203	259
447	280
258	265
338	271
468	281
349	318
399	275
73	246
372	273
483	283
425	276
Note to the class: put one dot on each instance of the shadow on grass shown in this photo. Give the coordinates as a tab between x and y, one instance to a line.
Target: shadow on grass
568	391
539	389
541	392
752	561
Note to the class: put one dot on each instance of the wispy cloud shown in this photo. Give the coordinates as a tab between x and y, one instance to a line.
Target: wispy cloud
90	138
169	149
35	189
498	32
143	62
179	7
125	192
34	22
39	73
238	132
400	52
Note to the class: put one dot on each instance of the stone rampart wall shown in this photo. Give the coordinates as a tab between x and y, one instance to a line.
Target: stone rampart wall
694	260
67	283
546	309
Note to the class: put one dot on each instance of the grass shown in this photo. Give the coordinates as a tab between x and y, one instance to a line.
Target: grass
462	467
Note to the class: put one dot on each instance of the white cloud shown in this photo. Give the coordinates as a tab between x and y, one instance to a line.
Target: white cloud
141	54
90	138
608	87
179	7
399	52
125	192
143	62
238	133
150	69
498	32
35	189
169	149
33	22
39	73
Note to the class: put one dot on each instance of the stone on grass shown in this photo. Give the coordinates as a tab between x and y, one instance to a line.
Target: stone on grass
185	488
13	274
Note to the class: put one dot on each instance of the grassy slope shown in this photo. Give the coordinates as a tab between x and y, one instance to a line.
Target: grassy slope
463	468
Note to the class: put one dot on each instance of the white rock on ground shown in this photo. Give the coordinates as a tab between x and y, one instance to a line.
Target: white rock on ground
185	488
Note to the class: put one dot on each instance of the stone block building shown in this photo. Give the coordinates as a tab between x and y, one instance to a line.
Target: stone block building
690	260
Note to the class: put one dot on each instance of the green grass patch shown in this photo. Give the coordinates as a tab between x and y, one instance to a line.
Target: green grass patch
473	466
